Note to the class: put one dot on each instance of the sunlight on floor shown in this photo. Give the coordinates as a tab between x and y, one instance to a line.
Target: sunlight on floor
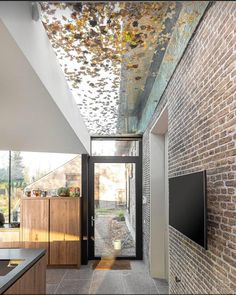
88	281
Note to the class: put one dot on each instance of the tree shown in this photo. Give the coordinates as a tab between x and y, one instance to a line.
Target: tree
17	170
27	179
4	173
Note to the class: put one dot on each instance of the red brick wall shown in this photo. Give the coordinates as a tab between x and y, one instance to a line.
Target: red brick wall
201	99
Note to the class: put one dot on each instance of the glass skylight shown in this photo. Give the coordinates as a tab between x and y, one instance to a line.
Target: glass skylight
112	53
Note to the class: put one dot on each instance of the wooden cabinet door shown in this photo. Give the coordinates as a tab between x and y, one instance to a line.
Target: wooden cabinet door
35	223
65	231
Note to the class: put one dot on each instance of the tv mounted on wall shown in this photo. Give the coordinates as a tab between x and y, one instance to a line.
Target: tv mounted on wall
188	206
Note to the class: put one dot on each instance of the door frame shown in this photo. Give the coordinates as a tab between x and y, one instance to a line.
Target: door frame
138	188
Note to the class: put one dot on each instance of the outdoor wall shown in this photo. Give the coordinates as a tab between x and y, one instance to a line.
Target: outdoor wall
132	192
202	135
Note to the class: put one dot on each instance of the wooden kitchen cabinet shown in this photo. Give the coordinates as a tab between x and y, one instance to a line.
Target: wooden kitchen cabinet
64	231
53	224
35	223
33	280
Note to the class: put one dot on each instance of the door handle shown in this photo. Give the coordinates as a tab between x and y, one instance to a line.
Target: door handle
92	221
36	237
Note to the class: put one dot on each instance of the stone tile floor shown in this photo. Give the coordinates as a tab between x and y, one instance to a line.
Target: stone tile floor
88	281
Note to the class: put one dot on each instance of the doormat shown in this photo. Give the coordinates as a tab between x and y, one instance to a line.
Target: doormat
107	264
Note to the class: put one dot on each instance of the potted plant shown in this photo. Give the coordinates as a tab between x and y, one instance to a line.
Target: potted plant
75	192
37	192
63	192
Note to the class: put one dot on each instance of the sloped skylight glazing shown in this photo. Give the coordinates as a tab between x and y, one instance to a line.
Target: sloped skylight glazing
111	54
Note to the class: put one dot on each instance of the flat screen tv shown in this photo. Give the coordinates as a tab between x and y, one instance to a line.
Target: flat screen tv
188	206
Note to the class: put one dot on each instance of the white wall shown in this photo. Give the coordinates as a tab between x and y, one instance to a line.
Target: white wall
157	214
166	208
38	111
159	198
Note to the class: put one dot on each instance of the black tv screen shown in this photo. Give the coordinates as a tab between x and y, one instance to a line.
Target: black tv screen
188	206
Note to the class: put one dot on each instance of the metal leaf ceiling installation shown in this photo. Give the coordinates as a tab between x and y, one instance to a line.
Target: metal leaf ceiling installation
112	52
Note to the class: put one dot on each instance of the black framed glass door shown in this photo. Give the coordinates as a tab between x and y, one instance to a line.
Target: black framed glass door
115	207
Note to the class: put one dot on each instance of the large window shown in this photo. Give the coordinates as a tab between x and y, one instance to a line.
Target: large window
34	174
4	184
115	147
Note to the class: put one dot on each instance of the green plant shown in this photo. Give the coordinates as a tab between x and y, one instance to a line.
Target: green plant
121	215
63	191
74	191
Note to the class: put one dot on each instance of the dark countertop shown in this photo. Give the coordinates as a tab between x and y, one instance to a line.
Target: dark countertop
30	257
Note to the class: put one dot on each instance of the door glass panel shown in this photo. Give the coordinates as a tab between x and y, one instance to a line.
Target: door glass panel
115	215
115	148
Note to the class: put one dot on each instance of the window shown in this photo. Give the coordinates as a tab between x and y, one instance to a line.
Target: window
115	147
35	174
4	184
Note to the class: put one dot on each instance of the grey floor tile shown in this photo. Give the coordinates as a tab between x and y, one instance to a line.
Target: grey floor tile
54	275
74	287
78	274
107	282
139	266
101	273
162	286
51	288
88	266
139	283
88	281
163	289
160	282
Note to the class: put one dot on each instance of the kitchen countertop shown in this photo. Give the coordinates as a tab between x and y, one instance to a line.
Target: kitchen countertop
30	257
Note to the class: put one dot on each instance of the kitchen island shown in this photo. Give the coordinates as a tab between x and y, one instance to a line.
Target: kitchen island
22	271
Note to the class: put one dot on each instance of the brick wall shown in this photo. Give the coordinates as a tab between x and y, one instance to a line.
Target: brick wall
201	98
